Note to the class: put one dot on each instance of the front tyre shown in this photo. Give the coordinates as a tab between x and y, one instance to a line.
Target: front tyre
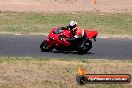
45	46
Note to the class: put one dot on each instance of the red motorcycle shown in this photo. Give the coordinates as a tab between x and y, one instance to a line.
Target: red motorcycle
57	39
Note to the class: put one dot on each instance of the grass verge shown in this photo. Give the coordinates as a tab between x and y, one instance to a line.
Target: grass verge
117	23
26	72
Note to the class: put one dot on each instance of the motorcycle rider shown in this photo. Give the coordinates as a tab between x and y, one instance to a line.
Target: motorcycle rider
76	31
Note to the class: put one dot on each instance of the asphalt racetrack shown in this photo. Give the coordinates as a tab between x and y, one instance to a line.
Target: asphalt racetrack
28	46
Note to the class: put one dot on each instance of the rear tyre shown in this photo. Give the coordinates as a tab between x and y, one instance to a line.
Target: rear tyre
45	46
81	52
86	46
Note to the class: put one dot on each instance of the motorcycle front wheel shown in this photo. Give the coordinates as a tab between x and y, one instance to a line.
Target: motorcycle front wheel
45	46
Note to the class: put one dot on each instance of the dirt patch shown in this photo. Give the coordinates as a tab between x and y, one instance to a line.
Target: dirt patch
66	5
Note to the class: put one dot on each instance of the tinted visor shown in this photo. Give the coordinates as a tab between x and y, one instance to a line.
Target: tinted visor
71	27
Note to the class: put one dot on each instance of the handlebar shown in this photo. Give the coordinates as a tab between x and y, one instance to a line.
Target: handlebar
61	37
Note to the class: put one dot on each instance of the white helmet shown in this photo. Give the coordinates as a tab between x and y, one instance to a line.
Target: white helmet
72	24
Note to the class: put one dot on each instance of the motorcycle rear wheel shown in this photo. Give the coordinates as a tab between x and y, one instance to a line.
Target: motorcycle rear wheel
89	46
85	47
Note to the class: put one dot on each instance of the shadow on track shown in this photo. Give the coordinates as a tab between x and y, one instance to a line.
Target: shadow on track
72	52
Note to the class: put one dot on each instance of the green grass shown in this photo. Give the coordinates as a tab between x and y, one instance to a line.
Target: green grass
28	72
118	23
